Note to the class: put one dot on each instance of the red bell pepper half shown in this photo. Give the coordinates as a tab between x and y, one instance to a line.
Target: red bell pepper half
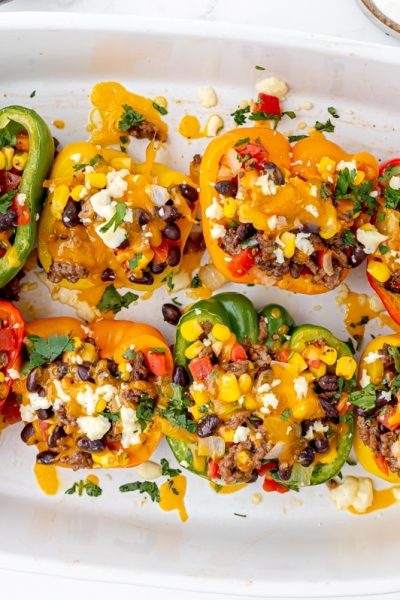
11	337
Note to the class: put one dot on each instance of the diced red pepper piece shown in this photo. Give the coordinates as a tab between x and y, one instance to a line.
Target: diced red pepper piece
23	212
161	251
268	104
8	340
393	162
390	418
270	485
284	354
212	469
9	181
44	426
255	151
238	352
381	463
241	263
267	467
201	368
22	141
11	410
156	362
315	363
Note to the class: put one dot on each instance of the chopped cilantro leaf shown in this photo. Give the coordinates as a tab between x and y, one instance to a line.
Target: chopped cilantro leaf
296	138
7	138
380	217
175	301
196	282
349	238
112	300
5	201
133	263
124	139
242	142
143	487
97	160
129	118
117	219
365	398
287	413
332	111
328	126
145	410
161	109
129	354
259	68
239	116
114	417
32	94
43	351
79	166
90	488
166	469
383	249
239	515
169	279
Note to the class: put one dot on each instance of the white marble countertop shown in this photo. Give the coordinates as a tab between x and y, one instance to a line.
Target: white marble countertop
340	18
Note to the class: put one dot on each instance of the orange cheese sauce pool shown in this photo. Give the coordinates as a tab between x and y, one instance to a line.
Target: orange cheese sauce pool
190	127
227	489
358	310
174	500
382	499
59	124
47	478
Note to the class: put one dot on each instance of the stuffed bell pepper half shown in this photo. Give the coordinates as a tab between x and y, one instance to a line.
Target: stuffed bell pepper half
110	221
376	401
296	217
89	395
262	397
26	154
11	338
383	268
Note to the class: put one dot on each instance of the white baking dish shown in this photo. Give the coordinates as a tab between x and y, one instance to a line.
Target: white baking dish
296	545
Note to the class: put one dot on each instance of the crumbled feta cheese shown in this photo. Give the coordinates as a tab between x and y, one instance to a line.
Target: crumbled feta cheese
129	367
280	259
149	470
275	382
89	398
241	434
75	157
215	210
387	395
197	386
356	492
184	464
131	429
297	162
38	402
365	379
264	388
266	184
63	396
273	87
269	400
256	498
302	243
197	311
350	165
103	204
259	436
217	231
309	433
159	195
79	360
27	413
13	373
213	125
94	427
289	429
207	96
394	182
300	385
312	210
207	342
21	199
342	294
370	239
372	357
318	427
128	218
374	194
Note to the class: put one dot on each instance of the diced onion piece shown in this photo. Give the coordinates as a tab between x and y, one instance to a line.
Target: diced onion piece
211	277
276	451
327	263
266	280
231	159
180	281
212	445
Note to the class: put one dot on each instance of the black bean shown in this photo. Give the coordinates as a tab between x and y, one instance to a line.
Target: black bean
34	378
365	413
180	376
207	425
330	411
47	457
285	473
158	268
310	228
171	313
172	232
90	445
41	392
7	220
124	245
84	372
382	428
174	256
256	422
44	413
254	476
169	214
244	231
305	425
59	369
145	279
274	172
227	188
357	256
306	458
189	192
27	433
320	445
143	217
112	367
57	433
108	275
70	214
329	383
381	401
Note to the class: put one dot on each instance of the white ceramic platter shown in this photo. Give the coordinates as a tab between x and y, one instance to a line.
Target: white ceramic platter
385	14
292	545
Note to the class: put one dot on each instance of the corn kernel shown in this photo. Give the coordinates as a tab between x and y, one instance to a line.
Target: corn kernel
244	461
101	405
201	398
250	402
283	330
194	349
359	178
221	332
19	161
191	330
312	352
95	180
2	161
328	355
346	367
89	354
297	359
227	434
107	459
379	270
276	313
326	168
123	371
8	152
289	239
124	162
196	413
329	457
230	207
229	390
60	197
76	192
308	376
320	371
2	378
245	383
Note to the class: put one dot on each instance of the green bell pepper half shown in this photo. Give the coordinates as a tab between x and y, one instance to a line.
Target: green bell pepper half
14	119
